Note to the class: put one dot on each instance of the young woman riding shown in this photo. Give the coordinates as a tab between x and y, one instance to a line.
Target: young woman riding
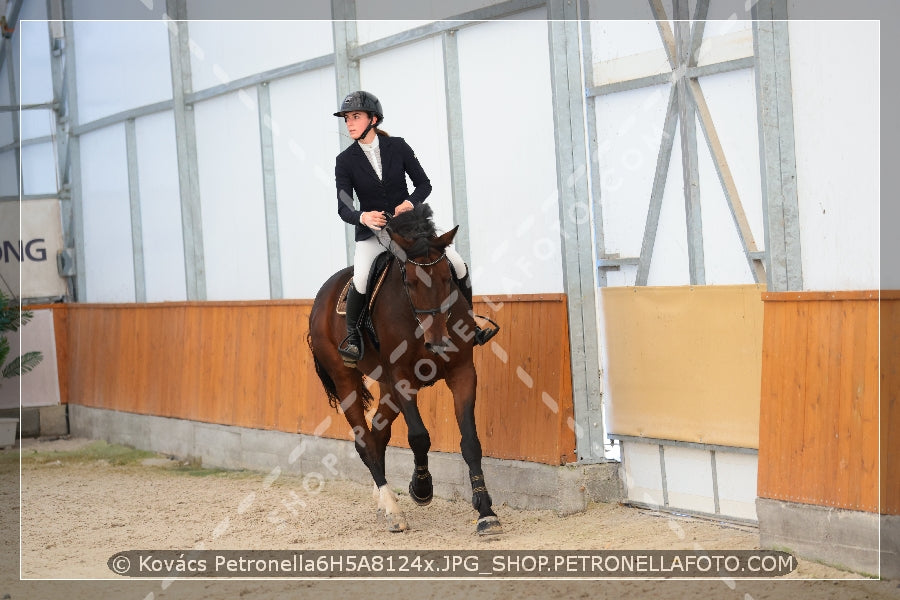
375	167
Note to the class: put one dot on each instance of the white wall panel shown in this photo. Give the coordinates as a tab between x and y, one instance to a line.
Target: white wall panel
375	16
39	169
626	49
415	109
222	51
305	142
731	98
35	83
8	173
736	475
669	263
643	476
835	86
163	243
231	197
716	28
109	264
629	130
617	39
121	65
689	479
510	157
370	30
37	123
724	258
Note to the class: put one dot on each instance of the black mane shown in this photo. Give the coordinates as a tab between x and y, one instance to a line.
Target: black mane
415	225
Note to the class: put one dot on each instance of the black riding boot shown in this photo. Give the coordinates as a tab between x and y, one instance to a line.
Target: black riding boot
481	335
351	347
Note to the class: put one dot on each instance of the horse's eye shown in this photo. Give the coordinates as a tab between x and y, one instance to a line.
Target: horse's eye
423	276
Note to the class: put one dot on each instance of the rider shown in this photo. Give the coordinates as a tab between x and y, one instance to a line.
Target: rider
375	167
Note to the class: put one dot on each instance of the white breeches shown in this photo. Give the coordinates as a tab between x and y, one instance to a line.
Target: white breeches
367	250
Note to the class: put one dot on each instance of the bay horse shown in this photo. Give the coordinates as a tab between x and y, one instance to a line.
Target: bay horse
425	332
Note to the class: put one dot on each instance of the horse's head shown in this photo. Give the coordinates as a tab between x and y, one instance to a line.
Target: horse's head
428	279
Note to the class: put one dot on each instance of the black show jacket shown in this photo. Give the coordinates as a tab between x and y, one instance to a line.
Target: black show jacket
353	171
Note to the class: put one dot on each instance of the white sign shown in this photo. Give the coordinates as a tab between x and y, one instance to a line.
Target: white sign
31	249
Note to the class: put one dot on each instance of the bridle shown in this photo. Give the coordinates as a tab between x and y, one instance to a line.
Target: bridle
431	312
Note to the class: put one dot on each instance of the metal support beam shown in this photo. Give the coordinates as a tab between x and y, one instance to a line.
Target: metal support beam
455	144
575	227
700	12
690	167
134	198
663	159
267	146
186	148
17	134
410	36
73	218
56	14
665	31
592	144
12	20
745	234
778	164
346	68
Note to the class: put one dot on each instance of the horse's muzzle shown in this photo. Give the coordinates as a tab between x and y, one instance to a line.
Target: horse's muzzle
441	348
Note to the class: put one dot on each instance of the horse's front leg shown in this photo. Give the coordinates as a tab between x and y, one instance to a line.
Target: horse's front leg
462	383
384	497
403	398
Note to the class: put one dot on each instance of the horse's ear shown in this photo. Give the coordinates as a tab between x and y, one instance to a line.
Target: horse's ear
445	240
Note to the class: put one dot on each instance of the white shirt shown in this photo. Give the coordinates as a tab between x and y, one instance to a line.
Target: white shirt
373	153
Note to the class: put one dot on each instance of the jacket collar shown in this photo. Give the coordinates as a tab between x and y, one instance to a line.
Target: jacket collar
384	147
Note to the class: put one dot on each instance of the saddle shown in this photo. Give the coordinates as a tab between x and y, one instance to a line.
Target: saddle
377	275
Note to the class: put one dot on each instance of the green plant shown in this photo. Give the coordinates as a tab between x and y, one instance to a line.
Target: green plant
11	319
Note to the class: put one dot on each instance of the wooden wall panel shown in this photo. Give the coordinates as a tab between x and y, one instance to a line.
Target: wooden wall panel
683	362
248	364
890	403
819	399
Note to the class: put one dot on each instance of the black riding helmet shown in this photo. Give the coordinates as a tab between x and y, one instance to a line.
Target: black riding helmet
363	101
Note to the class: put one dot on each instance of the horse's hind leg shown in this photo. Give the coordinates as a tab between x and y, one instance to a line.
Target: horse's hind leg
462	383
367	446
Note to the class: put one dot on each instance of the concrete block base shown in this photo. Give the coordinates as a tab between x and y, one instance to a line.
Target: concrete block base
845	539
40	421
8	428
54	420
890	546
527	485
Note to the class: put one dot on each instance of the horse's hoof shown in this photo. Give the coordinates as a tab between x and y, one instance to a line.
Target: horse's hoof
395	523
488	526
420	501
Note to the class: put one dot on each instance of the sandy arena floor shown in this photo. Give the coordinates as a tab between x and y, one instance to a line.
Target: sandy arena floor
79	507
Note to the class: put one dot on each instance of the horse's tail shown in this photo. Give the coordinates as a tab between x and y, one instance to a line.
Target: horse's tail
324	377
328	383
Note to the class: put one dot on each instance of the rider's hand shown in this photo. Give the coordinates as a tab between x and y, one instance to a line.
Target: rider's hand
403	207
373	219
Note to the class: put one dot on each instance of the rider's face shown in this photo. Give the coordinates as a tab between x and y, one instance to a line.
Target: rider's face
356	122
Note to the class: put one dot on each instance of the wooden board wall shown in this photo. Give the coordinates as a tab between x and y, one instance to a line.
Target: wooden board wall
248	364
819	399
890	403
683	362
